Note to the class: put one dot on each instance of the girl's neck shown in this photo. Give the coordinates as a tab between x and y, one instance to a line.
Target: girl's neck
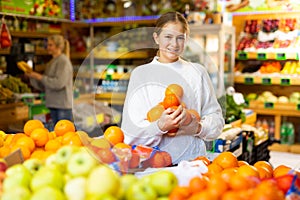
55	55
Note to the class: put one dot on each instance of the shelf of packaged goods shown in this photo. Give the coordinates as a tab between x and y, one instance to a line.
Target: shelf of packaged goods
118	22
241	55
112	98
122	55
267	80
277	110
31	34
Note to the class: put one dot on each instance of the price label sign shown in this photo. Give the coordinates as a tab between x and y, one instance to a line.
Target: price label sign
280	56
266	81
269	105
285	81
242	56
261	56
249	80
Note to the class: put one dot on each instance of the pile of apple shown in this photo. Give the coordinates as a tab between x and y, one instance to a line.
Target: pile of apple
74	173
172	99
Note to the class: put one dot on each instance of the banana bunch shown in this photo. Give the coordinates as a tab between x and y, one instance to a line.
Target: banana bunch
22	65
291	67
5	93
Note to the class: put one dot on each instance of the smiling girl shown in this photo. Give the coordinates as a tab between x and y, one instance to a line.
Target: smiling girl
146	89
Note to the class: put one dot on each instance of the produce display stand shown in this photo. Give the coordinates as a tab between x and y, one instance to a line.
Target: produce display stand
12	113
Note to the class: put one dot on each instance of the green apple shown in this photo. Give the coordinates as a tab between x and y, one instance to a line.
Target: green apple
140	191
17	193
163	182
33	164
47	176
81	163
64	153
48	193
126	181
74	188
16	175
102	180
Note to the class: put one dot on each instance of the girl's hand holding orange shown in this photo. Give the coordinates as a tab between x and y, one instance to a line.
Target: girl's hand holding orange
170	119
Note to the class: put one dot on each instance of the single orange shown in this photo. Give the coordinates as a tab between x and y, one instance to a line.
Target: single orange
281	170
198	184
247	170
114	135
226	160
174	89
16	137
67	137
63	126
265	164
52	145
154	113
32	124
75	141
195	113
170	100
267	190
37	153
264	172
26	141
40	136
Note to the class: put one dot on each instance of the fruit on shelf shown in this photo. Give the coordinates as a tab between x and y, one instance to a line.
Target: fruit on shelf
291	67
288	24
246	43
270	25
270	67
251	26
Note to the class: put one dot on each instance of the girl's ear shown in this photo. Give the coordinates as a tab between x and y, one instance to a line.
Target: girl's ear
155	37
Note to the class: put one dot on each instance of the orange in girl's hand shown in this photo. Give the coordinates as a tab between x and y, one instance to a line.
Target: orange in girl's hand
114	135
171	100
174	89
154	113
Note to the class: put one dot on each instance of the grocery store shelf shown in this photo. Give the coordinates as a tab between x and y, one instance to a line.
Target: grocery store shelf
112	98
283	80
241	55
277	110
250	119
122	55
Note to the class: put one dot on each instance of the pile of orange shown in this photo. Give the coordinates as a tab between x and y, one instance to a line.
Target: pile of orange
228	178
37	141
172	99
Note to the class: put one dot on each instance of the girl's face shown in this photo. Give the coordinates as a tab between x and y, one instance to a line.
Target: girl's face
51	47
171	42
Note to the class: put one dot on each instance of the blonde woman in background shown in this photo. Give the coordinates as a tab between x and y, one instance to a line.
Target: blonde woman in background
57	80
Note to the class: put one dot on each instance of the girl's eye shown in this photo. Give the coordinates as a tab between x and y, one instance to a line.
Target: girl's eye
168	36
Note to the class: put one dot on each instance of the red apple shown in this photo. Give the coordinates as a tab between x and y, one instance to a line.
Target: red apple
3	165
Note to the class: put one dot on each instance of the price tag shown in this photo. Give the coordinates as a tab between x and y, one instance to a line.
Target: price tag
280	56
249	80
242	56
285	81
261	56
269	105
298	106
266	81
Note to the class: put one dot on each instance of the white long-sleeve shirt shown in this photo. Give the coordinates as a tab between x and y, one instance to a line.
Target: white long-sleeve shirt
146	89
